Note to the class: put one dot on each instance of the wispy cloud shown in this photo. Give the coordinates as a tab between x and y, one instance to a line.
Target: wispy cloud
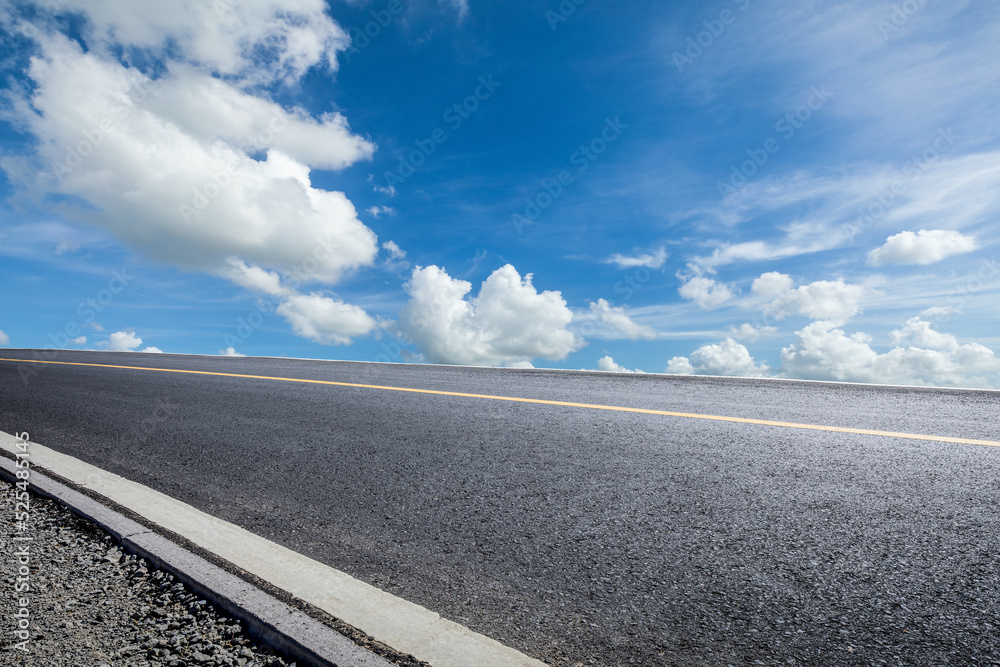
652	259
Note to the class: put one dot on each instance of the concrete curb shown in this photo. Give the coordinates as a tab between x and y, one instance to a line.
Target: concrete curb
304	639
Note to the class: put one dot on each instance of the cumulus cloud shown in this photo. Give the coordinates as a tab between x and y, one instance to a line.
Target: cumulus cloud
4	338
650	260
679	366
921	333
772	284
125	341
187	161
204	200
823	352
320	318
231	352
922	247
79	340
509	322
324	319
619	323
706	292
725	358
834	301
606	363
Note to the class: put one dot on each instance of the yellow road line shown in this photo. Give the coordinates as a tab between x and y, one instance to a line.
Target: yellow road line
590	406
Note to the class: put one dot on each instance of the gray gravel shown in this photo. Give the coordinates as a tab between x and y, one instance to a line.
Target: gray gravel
94	605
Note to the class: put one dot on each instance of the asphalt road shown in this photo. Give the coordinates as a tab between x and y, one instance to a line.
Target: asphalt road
572	534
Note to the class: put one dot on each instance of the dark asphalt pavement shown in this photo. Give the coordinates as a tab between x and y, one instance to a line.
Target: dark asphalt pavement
579	535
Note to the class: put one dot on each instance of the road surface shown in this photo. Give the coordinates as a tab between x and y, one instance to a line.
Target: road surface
574	534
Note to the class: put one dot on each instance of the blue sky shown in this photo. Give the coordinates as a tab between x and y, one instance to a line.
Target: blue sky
787	189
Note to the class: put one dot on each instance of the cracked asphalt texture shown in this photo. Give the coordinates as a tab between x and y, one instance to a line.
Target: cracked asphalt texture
578	536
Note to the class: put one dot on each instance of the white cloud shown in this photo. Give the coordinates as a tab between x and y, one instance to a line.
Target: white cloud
939	311
835	300
378	211
397	257
921	333
4	338
79	340
606	363
650	260
394	250
725	358
257	40
757	251
122	341
923	247
772	284
706	292
204	200
619	322
231	352
823	352
324	319
383	189
192	166
679	366
747	331
844	209
125	341
255	278
508	322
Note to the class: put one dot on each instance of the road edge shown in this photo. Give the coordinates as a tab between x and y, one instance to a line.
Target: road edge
288	630
402	626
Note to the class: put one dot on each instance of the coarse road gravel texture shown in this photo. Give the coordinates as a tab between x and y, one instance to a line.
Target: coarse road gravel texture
91	605
577	535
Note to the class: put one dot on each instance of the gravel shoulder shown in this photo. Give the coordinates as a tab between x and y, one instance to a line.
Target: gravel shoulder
90	604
